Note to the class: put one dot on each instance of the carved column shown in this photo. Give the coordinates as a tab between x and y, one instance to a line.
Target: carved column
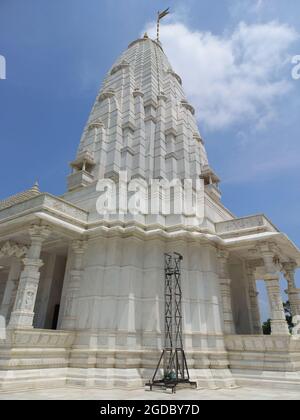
11	288
254	304
23	310
70	312
292	291
225	284
272	279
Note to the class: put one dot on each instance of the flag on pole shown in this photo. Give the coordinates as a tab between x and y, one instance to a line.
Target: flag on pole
164	13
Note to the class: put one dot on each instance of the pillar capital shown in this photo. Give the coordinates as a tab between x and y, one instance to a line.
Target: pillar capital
39	232
290	265
79	246
289	269
269	253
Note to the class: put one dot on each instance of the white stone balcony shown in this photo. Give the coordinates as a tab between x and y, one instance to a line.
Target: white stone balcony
44	202
79	179
257	223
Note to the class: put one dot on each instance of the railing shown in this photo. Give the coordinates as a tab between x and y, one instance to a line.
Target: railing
260	343
247	223
45	202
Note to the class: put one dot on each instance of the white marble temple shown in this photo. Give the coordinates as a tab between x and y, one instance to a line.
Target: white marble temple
82	292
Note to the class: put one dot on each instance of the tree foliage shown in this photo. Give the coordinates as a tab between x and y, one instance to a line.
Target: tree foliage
288	314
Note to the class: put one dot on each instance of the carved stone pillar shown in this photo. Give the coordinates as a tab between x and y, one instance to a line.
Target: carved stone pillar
292	291
272	279
23	310
225	285
253	295
11	289
70	312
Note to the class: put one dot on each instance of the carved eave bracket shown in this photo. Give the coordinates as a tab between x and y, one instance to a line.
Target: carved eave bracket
12	249
84	158
122	66
108	94
187	106
177	77
96	124
198	138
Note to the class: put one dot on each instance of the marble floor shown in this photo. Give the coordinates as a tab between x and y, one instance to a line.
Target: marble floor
243	393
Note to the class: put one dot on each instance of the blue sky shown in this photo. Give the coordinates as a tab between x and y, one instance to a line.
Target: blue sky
237	74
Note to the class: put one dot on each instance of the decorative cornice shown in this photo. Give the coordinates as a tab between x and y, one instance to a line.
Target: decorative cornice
137	93
198	138
187	106
162	97
177	77
110	93
128	125
150	103
95	124
124	65
151	118
128	150
171	131
171	155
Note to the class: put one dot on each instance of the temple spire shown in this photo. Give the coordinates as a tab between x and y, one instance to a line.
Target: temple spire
141	122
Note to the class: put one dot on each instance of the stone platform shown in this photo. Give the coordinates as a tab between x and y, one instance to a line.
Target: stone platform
37	359
243	393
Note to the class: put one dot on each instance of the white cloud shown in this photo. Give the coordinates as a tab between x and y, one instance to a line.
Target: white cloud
249	7
233	78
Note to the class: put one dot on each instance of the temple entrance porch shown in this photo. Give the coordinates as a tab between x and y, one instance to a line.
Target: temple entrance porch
33	264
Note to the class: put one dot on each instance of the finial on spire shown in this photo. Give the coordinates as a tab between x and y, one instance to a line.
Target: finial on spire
36	186
161	15
146	35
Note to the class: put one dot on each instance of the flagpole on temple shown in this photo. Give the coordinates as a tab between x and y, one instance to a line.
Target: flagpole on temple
161	15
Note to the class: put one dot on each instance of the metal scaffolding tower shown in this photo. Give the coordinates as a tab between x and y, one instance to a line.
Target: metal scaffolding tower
172	361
